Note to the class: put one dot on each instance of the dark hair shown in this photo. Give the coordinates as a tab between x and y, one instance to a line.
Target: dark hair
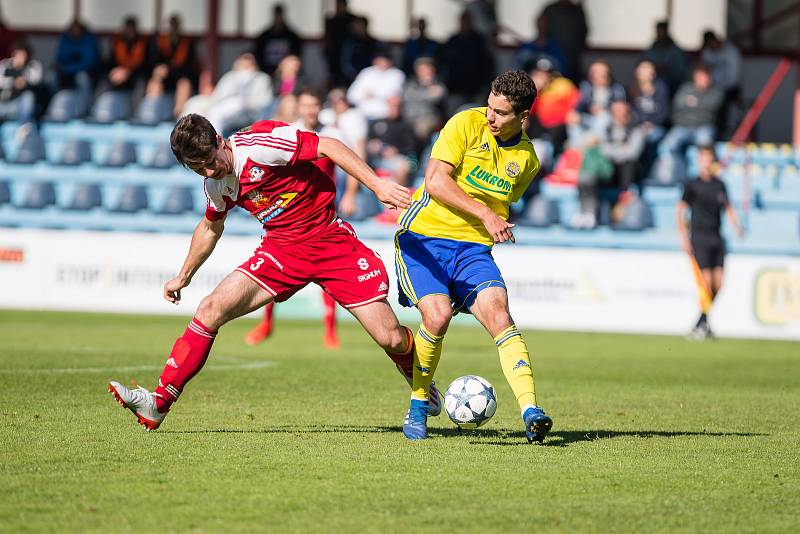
707	148
700	66
309	91
193	140
517	87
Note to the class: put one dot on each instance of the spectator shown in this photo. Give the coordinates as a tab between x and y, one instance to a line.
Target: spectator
128	61
286	109
598	92
694	111
423	98
7	39
467	65
418	45
374	85
338	28
649	98
358	50
483	15
276	42
20	78
610	159
392	145
175	65
240	97
557	97
725	63
542	47
566	23
77	62
670	61
288	78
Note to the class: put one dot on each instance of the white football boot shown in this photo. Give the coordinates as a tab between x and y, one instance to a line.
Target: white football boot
140	401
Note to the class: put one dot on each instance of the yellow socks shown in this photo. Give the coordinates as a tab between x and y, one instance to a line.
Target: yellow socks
516	365
426	358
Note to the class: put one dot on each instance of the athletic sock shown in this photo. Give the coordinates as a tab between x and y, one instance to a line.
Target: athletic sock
188	356
516	365
269	309
703	320
405	359
329	317
426	357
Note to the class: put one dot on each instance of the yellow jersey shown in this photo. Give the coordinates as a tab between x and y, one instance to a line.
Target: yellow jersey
493	172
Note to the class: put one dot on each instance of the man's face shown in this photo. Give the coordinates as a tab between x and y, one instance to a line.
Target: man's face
219	164
308	106
702	79
503	121
705	161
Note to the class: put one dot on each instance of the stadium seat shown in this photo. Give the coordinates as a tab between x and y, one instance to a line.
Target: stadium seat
636	216
31	149
163	157
153	110
76	152
179	200
87	196
40	195
112	106
540	212
5	192
63	106
133	198
121	153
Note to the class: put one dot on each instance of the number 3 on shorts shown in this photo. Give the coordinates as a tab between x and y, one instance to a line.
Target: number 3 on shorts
257	264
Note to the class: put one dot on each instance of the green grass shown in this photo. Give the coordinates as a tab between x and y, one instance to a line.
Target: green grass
651	434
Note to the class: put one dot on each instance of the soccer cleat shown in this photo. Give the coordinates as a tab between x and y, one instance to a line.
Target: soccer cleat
258	334
434	396
700	332
416	424
140	401
537	424
330	340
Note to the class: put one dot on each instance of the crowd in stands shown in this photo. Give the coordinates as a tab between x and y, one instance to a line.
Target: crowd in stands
389	103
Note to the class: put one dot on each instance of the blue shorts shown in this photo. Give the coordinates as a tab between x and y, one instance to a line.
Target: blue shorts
434	266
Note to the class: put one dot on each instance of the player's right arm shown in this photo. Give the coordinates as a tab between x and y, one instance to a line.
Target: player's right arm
683	230
440	185
204	239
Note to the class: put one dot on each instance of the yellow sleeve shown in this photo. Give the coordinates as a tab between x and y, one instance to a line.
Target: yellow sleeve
523	183
451	145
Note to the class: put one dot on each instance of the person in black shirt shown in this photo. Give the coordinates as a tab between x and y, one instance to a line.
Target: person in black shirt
706	198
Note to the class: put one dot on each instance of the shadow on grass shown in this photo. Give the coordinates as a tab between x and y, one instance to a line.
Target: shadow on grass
559	438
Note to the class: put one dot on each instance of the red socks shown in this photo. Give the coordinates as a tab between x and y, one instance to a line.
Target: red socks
405	360
188	356
329	316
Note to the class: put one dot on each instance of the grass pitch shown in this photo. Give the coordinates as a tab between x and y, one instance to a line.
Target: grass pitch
651	434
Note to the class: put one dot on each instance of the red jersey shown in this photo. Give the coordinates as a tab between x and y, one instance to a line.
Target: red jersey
276	180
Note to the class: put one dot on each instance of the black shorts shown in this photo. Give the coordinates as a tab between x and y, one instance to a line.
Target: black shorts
709	253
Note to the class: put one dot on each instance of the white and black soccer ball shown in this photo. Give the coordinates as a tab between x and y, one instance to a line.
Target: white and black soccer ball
470	401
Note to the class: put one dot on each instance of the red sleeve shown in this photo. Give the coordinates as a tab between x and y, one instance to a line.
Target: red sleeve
307	147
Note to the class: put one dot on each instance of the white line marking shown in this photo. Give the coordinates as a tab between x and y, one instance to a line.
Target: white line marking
78	370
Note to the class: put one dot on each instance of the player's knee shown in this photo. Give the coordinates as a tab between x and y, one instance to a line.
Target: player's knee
210	312
437	319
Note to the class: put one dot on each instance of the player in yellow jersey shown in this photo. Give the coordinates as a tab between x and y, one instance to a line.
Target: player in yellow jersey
481	163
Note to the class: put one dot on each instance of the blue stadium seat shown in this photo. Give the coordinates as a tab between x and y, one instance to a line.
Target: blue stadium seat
153	110
636	216
86	197
133	198
178	200
112	106
5	192
540	212
63	106
121	153
40	195
76	152
163	157
31	150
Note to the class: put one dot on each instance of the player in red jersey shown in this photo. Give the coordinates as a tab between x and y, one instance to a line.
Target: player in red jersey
268	169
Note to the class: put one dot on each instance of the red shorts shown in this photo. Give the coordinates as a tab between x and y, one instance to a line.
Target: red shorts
343	266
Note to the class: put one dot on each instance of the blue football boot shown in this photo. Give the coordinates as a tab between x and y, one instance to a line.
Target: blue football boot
416	424
537	424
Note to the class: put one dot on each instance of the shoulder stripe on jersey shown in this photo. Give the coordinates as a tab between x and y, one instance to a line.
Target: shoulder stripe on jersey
268	144
252	139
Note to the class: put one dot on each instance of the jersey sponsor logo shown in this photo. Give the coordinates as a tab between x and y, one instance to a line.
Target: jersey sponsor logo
512	169
487	181
256	174
363	264
369	275
271	209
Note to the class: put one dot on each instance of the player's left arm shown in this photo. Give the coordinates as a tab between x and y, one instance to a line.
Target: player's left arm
388	192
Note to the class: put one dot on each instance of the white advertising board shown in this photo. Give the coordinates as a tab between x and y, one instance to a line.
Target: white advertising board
549	288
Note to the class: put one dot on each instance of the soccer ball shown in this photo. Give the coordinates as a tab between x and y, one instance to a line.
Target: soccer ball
470	401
